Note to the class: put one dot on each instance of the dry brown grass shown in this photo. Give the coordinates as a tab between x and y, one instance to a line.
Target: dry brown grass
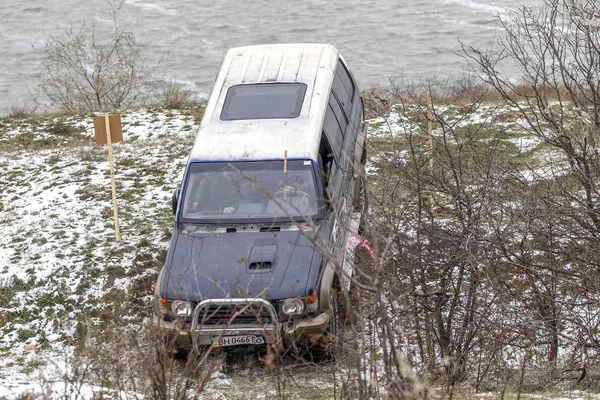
174	97
22	111
466	89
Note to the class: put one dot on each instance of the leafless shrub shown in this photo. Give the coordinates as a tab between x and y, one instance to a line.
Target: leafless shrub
492	275
84	72
173	96
555	48
115	362
22	111
28	396
468	88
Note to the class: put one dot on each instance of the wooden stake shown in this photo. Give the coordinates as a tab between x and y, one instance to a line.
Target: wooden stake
285	162
112	180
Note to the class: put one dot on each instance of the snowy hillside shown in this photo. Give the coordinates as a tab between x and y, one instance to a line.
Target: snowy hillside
63	275
59	262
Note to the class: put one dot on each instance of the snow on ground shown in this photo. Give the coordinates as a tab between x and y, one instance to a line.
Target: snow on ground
60	267
58	255
52	384
59	262
499	122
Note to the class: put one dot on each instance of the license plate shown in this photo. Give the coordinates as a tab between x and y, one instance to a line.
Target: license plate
238	340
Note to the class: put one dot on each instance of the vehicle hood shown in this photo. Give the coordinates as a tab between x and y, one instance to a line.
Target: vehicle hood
273	265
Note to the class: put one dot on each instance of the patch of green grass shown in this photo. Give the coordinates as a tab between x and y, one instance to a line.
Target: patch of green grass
127	196
60	128
53	159
106	213
127	162
25	334
46	300
60	234
8	290
39	240
33	365
196	111
57	135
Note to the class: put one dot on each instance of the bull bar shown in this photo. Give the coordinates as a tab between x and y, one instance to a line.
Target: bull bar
204	335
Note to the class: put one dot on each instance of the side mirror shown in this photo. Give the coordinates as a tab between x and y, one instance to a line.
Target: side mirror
175	200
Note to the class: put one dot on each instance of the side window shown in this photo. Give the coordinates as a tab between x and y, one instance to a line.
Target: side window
333	130
342	94
343	86
344	75
337	111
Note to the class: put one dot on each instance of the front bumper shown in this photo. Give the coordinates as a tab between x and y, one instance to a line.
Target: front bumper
200	333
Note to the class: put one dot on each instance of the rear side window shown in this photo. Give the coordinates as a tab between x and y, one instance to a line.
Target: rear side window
343	87
263	101
344	75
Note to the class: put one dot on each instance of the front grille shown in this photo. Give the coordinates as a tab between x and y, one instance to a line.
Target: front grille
234	314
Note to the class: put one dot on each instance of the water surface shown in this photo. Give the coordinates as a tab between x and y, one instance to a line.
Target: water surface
409	40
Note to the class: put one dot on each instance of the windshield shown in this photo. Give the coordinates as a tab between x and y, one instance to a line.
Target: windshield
250	191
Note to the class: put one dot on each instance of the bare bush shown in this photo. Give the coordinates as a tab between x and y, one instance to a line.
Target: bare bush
556	50
85	72
173	96
116	363
467	88
492	276
21	111
440	247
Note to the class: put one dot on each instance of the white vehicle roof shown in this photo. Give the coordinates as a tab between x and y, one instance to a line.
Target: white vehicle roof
267	139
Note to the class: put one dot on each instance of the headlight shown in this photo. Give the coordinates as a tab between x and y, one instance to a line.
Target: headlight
182	308
293	306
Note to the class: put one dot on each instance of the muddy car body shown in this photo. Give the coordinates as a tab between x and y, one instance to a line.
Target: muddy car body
263	212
